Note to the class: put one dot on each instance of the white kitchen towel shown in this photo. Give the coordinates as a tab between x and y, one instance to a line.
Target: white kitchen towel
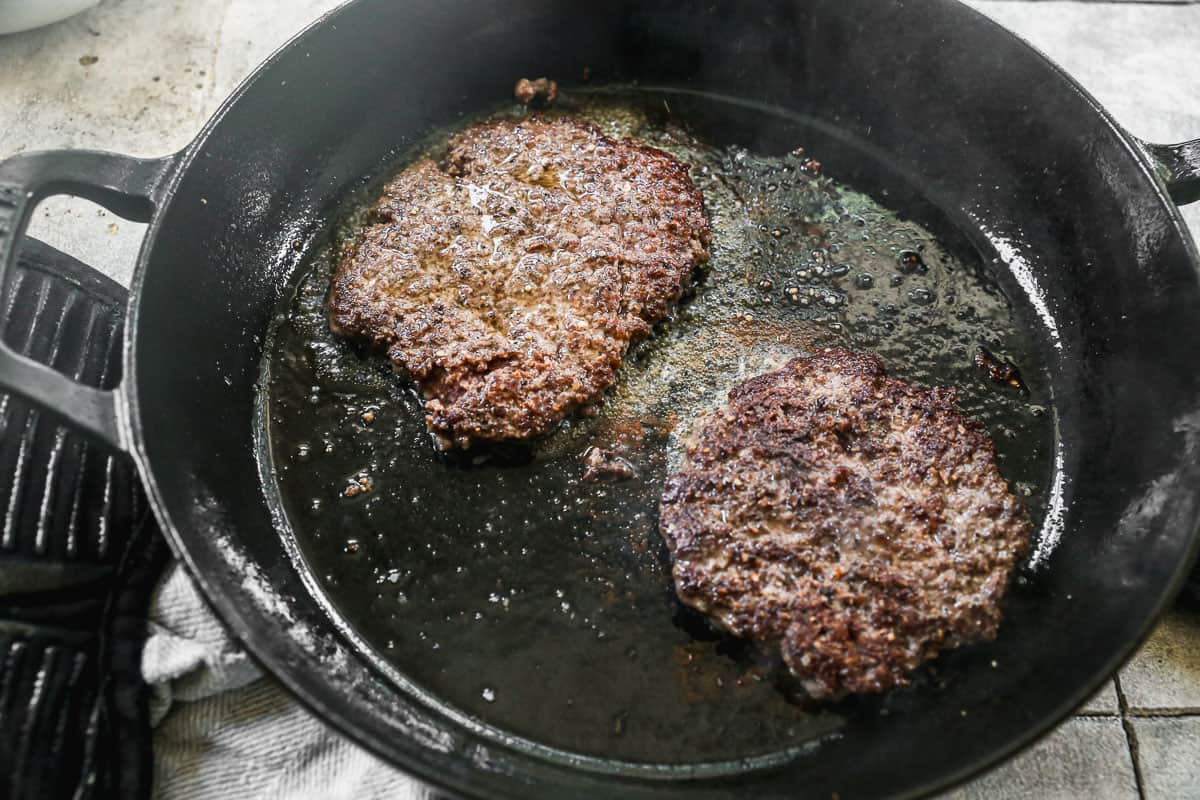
224	730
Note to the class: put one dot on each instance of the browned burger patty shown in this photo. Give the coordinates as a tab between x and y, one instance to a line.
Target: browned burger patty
510	283
855	521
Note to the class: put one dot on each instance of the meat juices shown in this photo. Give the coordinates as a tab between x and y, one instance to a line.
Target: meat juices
510	283
854	521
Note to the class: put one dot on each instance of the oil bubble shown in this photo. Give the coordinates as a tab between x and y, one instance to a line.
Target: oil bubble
922	297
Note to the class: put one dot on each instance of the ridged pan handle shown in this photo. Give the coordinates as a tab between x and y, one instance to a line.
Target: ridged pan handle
1179	167
126	186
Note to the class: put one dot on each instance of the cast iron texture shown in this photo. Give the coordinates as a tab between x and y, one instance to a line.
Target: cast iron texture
1069	209
122	185
79	552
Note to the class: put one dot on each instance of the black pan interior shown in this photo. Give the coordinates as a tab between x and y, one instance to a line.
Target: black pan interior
503	583
1005	149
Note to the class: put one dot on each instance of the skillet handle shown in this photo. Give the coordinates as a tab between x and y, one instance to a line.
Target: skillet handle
128	187
1179	167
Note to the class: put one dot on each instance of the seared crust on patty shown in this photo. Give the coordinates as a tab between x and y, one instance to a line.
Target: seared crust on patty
510	283
854	521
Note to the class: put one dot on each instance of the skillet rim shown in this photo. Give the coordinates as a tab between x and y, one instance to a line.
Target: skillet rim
312	692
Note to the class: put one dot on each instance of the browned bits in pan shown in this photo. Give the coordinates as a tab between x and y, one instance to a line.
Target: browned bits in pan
604	464
358	485
999	370
538	93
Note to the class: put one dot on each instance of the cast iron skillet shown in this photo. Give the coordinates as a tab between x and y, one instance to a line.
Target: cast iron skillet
1072	208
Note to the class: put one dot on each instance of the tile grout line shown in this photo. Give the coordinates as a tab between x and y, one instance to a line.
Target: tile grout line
1130	736
1163	713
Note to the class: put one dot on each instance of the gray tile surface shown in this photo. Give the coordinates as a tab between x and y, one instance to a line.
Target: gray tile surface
1165	674
1103	702
1084	758
1168	751
163	66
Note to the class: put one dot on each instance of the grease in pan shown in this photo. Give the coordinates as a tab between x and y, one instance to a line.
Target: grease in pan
504	570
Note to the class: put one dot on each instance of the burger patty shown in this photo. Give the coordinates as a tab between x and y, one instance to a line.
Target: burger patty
510	281
854	521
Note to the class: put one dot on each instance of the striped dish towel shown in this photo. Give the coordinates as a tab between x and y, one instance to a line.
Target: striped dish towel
222	729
